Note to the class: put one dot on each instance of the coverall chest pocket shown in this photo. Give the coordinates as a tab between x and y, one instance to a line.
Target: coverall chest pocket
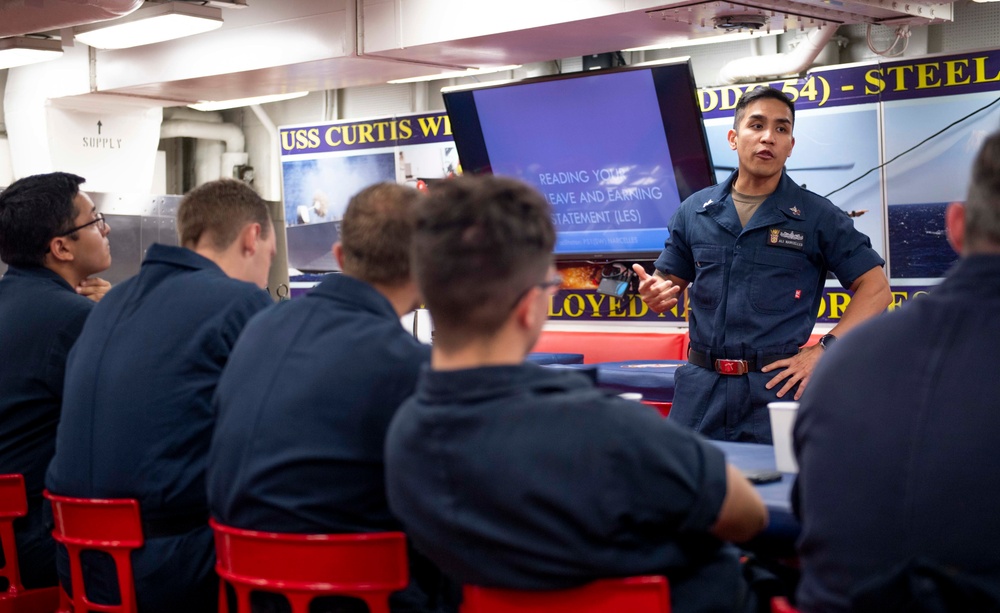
709	276
777	283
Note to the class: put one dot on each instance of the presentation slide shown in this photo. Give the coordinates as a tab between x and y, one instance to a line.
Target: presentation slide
596	148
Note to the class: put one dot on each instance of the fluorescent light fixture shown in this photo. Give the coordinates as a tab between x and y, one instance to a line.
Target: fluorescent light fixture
220	105
21	50
461	88
150	24
471	72
666	60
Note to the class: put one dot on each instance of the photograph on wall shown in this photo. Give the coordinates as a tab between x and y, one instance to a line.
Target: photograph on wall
833	148
317	190
924	177
324	165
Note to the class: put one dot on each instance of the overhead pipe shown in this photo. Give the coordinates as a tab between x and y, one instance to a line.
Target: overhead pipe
210	163
278	274
273	191
755	68
184	112
227	132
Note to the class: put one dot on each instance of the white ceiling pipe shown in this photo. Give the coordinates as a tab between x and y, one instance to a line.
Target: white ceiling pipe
226	132
183	112
273	184
754	68
208	154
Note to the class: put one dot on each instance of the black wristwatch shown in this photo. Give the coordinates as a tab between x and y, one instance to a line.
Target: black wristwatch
827	340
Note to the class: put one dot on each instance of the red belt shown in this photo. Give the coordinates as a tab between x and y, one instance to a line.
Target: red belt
735	367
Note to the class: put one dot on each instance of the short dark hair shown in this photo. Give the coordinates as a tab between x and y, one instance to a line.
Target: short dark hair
33	211
479	243
377	231
220	209
760	93
982	204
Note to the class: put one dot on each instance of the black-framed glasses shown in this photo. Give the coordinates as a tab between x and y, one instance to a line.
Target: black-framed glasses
554	281
98	219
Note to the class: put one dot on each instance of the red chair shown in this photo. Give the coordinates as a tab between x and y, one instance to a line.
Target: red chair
17	599
662	407
781	605
632	594
302	567
111	526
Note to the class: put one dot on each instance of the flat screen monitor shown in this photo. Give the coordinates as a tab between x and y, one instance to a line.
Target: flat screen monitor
615	152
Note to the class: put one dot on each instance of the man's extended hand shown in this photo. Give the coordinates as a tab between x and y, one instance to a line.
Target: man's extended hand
659	294
797	369
93	288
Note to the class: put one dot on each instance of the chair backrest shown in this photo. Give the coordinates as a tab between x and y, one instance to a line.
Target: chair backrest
13	504
304	566
662	407
780	604
112	526
632	594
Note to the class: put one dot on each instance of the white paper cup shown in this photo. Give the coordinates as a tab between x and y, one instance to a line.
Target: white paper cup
782	420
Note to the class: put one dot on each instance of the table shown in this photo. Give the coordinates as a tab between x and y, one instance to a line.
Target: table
777	496
547	359
654	379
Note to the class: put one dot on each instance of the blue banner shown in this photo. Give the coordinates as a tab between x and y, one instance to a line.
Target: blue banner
884	82
368	134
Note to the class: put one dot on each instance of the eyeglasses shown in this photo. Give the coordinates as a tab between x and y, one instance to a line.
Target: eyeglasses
99	220
550	283
554	282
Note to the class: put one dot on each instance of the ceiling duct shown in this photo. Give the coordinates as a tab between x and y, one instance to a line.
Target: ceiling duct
230	134
755	68
268	47
742	21
20	17
707	19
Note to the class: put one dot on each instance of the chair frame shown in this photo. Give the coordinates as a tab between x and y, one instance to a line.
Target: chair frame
109	525
17	598
644	594
780	604
661	406
366	566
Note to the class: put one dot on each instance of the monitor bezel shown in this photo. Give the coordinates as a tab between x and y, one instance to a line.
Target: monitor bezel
682	123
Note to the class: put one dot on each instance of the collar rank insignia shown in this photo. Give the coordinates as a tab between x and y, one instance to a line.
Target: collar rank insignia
707	203
795	211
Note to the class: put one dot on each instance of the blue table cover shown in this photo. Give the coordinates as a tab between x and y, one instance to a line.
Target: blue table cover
777	496
555	358
654	379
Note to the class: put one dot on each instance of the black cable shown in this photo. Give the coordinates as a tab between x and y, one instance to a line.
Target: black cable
938	133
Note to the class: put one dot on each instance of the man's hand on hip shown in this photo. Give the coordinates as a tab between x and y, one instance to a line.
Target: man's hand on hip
794	370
